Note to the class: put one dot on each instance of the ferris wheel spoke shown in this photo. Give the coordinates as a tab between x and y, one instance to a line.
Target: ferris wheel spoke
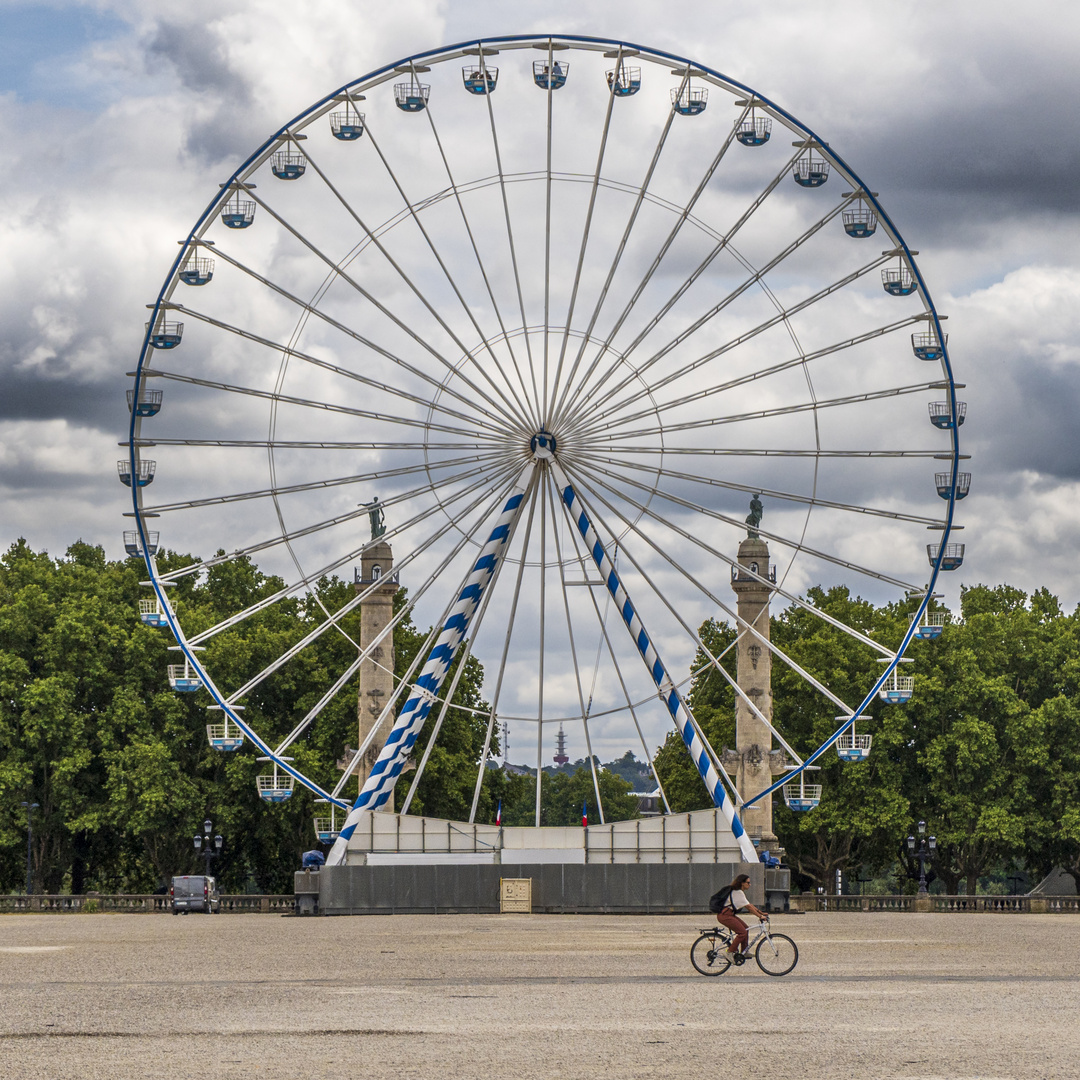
629	614
290	653
684	216
515	407
296	444
616	667
714	451
318	526
639	200
407	726
762	414
547	240
585	397
476	417
720	246
795	545
644	508
697	584
513	260
317	485
510	624
734	343
756	376
329	568
593	191
714	663
574	657
378	305
466	651
790	496
321	704
543	653
328	406
405	682
312	309
504	335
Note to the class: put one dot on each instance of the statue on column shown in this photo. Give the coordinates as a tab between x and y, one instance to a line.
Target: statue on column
377	518
753	519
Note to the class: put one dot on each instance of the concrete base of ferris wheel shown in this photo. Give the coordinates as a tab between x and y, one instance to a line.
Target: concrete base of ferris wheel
557	888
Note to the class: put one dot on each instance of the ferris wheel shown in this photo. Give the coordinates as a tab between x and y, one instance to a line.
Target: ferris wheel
563	306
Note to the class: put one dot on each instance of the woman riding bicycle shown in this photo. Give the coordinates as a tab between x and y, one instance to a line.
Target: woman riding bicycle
726	903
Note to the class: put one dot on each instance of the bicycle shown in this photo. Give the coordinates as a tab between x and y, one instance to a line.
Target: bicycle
776	954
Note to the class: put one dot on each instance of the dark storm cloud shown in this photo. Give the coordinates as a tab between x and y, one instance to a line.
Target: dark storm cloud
199	56
1003	143
28	396
1043	404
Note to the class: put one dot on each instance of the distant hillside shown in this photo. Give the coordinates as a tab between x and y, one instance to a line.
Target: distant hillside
634	772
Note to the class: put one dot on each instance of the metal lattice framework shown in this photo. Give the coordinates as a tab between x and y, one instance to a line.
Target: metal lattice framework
577	289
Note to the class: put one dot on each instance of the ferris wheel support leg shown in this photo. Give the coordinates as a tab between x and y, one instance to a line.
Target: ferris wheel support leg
406	729
669	694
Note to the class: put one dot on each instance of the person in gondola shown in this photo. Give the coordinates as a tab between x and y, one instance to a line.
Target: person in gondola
729	900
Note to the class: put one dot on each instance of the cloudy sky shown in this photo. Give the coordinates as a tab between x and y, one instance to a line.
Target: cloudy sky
119	120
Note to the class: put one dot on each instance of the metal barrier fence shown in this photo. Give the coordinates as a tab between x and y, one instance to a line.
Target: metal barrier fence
137	904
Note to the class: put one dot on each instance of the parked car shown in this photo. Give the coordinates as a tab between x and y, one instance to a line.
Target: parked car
195	892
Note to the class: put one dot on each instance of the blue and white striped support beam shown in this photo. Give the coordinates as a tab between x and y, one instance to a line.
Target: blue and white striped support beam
406	730
668	692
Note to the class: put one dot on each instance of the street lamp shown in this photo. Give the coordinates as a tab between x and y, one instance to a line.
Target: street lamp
207	848
30	808
926	849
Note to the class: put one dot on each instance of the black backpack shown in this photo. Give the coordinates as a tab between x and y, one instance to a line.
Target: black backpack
719	900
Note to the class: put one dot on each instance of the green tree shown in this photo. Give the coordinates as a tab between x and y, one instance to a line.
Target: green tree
712	702
562	797
863	805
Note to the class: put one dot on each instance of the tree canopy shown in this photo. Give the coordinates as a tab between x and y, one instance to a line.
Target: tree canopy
987	752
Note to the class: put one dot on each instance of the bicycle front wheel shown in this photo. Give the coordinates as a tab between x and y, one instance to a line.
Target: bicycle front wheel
776	954
709	955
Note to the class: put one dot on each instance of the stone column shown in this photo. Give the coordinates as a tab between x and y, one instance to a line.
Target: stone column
377	671
754	762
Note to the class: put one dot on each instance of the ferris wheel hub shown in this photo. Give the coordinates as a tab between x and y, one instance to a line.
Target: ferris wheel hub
543	445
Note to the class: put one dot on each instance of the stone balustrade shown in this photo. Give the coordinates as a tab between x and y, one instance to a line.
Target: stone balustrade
1034	905
283	904
135	903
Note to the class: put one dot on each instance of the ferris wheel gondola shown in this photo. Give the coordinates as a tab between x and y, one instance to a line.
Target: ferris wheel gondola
548	299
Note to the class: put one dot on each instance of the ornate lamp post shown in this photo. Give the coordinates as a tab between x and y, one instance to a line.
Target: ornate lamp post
203	845
926	850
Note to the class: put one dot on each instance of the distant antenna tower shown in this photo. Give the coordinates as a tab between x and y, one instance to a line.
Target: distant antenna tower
561	757
506	741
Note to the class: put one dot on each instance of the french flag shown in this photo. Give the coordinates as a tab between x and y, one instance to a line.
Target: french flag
585	814
498	814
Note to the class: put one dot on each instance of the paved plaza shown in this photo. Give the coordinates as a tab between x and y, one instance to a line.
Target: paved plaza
905	996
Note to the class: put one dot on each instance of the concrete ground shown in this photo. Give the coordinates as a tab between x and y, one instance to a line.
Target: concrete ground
906	996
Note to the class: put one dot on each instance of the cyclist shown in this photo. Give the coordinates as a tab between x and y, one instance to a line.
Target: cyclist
726	903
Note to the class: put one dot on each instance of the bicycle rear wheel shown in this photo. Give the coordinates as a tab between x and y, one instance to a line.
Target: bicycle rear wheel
709	955
776	954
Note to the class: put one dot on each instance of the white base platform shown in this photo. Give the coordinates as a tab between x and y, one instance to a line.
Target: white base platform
702	836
